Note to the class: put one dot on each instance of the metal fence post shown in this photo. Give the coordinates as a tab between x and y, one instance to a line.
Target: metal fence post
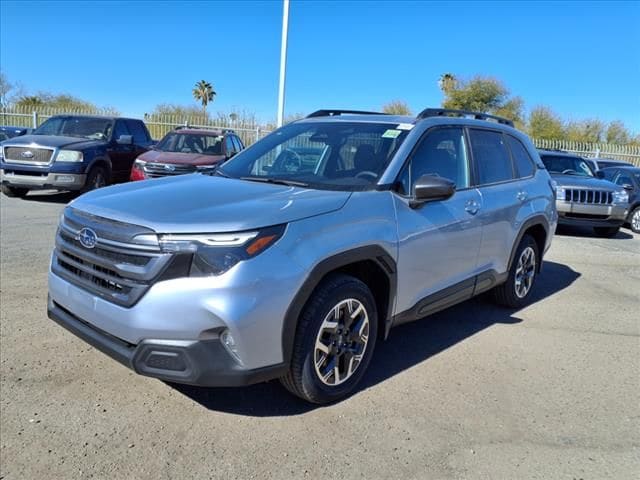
257	133
35	119
597	152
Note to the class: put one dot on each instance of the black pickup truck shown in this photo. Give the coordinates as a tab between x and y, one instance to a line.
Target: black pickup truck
71	152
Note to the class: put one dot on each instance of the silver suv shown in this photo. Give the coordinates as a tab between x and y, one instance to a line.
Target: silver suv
297	255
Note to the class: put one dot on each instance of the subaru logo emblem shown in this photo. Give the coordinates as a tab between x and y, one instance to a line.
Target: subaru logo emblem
27	154
170	168
87	238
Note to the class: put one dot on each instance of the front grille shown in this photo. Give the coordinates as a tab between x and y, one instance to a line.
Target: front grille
27	154
595	197
155	170
118	272
28	173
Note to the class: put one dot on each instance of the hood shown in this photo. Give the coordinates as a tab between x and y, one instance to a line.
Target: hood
575	181
53	141
180	158
201	203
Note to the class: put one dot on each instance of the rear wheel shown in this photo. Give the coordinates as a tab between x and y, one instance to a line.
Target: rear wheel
515	292
14	191
634	220
606	231
97	178
334	341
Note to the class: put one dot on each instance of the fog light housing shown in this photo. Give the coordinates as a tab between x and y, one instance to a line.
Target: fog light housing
230	344
65	178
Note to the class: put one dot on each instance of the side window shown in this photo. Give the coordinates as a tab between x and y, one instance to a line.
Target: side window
524	163
609	173
491	156
120	129
228	145
441	152
138	132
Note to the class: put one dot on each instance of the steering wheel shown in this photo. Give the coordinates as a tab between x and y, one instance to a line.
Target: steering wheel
288	160
569	170
367	173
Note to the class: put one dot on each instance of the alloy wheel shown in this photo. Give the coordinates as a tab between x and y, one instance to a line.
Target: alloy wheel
525	272
341	342
635	220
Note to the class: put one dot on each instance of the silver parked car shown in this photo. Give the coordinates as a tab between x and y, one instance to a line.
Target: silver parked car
583	199
297	255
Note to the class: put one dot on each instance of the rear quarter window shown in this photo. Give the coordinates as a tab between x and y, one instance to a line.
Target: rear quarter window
523	161
491	156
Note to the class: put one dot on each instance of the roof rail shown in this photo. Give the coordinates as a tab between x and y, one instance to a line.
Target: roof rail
204	127
441	112
332	113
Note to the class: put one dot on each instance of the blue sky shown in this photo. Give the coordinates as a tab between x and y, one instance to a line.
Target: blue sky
580	58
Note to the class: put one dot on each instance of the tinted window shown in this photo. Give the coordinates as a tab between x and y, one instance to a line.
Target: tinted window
191	143
441	152
139	132
228	143
521	157
492	158
120	129
94	128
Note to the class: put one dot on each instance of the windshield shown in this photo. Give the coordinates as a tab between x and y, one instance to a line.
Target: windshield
324	155
84	127
201	144
567	165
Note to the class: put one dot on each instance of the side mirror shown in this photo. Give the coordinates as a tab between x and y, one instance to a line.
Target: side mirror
125	140
230	154
599	174
429	188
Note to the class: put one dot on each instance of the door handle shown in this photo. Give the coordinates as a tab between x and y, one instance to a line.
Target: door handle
522	196
472	207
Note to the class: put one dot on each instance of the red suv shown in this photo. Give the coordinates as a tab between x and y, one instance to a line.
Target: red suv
186	150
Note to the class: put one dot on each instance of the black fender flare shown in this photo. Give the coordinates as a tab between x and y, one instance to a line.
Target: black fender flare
540	220
371	252
101	161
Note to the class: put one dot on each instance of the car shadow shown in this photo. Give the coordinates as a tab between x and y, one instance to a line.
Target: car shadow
50	196
407	346
584	232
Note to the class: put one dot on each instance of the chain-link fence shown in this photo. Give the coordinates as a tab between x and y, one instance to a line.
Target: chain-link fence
251	131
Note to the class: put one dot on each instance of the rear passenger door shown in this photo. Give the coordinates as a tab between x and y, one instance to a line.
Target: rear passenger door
438	241
502	195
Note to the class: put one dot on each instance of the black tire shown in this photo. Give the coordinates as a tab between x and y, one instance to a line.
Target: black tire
606	232
97	178
509	294
14	192
303	378
634	220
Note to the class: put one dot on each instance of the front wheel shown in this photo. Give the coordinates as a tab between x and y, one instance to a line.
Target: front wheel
14	191
334	341
97	178
515	292
634	220
606	232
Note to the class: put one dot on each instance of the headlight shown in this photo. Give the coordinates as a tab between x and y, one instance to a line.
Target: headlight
139	163
214	254
620	197
69	156
561	193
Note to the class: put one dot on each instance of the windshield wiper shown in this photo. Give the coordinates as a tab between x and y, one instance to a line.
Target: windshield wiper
277	181
217	172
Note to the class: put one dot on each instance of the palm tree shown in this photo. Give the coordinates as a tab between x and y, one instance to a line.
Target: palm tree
447	82
204	93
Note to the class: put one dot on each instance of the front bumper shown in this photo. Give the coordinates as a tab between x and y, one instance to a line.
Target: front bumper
194	362
44	180
591	215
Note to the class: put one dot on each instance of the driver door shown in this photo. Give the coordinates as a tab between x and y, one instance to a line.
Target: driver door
439	241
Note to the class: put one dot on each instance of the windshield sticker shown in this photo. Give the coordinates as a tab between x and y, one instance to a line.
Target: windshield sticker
391	133
405	126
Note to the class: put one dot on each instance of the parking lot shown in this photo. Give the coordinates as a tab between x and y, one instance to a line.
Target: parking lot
550	391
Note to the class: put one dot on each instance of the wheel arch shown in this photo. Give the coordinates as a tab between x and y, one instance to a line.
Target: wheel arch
100	162
372	264
538	228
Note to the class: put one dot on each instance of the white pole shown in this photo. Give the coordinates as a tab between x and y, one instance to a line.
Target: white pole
283	61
